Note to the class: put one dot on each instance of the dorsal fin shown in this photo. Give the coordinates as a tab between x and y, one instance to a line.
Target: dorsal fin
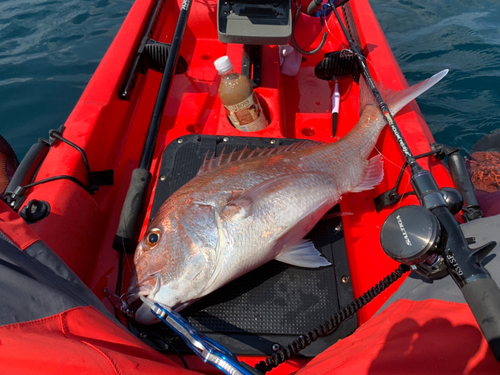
212	161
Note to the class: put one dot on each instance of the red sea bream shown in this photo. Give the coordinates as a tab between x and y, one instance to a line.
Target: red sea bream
243	210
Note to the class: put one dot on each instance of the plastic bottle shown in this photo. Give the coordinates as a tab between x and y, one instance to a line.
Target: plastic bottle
237	95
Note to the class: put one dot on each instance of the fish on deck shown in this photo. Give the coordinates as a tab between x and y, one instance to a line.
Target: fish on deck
243	210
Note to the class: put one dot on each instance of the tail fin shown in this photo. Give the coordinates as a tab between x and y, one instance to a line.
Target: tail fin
397	100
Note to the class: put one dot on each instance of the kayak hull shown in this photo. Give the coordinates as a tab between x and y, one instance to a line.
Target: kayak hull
81	227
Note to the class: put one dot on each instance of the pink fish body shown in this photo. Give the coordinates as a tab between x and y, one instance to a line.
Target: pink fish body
240	214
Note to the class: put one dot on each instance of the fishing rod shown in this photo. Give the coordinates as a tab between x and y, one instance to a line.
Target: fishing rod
443	249
127	233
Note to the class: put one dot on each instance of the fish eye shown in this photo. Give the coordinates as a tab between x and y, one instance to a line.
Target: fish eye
152	237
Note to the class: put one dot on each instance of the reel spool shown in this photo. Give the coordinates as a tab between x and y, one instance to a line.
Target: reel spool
411	235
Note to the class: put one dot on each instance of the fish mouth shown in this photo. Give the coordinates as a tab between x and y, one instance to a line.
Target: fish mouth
147	287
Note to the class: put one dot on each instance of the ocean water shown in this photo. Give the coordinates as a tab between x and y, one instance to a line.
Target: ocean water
49	50
427	36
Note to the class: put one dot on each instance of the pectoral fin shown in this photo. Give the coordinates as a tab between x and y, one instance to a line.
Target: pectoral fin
221	245
297	251
303	254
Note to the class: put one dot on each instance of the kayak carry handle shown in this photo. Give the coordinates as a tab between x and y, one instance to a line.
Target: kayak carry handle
25	172
460	177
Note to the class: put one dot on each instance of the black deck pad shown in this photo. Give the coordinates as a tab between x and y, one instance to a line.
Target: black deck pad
276	302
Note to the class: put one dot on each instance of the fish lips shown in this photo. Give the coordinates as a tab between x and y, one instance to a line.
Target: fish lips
148	288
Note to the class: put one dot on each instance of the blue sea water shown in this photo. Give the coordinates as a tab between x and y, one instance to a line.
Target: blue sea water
427	36
49	49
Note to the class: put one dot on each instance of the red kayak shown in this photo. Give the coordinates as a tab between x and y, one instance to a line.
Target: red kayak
68	200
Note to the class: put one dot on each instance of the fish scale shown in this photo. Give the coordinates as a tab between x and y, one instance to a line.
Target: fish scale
274	216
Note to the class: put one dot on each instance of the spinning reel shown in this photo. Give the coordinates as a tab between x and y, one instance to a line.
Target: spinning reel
416	236
412	235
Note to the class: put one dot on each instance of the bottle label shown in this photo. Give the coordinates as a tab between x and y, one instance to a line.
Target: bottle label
247	115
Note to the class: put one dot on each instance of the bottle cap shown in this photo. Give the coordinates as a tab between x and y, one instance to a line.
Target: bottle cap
223	64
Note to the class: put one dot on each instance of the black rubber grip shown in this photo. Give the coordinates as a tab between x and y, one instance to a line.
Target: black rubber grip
460	175
314	6
128	229
28	167
483	297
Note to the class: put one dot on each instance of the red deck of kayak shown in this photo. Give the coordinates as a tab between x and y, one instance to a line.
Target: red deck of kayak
81	227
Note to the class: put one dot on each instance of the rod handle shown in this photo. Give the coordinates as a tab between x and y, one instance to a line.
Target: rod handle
128	228
483	297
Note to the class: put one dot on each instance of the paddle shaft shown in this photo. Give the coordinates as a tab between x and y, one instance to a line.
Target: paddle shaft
127	233
480	291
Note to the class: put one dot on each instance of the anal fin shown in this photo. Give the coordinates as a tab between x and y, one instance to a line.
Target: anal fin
374	174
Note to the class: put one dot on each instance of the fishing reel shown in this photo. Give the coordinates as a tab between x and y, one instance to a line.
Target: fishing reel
412	235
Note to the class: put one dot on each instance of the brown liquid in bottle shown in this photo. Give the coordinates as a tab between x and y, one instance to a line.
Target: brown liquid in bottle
234	88
238	97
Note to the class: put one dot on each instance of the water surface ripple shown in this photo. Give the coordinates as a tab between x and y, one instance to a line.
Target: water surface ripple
464	36
49	49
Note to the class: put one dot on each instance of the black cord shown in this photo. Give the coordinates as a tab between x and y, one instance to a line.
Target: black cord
331	324
169	343
56	134
55	178
91	190
292	38
393	193
155	345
